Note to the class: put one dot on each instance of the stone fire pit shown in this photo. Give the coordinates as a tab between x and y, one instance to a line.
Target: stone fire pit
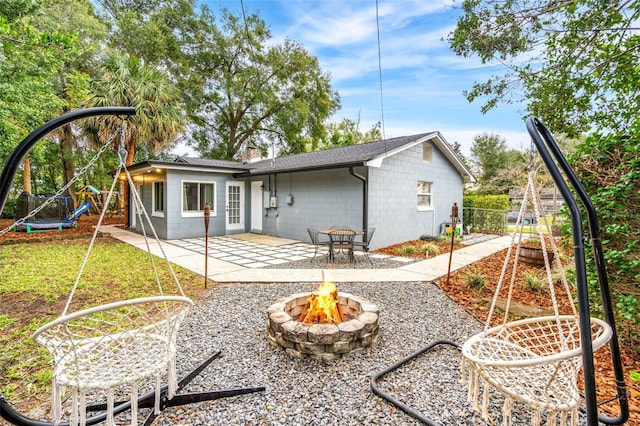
322	341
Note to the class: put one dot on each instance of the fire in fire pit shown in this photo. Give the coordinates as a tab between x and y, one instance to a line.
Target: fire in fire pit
322	324
323	306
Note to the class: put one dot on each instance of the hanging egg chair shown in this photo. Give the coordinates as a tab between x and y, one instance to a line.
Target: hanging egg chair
535	361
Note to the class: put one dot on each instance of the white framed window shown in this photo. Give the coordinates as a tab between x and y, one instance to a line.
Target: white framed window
194	196
427	152
157	199
425	195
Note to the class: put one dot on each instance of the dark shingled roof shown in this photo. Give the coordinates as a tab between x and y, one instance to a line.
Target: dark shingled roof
348	156
335	157
207	162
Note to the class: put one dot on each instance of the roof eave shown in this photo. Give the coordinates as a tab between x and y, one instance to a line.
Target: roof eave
148	165
264	172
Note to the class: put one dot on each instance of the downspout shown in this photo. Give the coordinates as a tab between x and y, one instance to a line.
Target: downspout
365	197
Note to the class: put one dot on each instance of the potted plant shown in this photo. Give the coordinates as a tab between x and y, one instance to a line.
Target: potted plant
531	252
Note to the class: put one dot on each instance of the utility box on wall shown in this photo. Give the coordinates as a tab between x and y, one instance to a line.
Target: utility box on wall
273	202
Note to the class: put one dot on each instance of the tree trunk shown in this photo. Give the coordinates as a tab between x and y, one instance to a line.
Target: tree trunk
124	185
26	175
67	143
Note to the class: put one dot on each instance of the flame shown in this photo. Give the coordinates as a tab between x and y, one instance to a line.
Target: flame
323	306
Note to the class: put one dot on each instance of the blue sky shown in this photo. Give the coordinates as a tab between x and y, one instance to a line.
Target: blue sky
422	80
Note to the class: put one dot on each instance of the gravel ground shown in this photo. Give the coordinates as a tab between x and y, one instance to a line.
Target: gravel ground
307	392
320	262
232	318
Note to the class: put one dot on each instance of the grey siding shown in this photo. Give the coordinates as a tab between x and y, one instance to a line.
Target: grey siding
173	225
393	207
324	198
320	199
144	185
188	227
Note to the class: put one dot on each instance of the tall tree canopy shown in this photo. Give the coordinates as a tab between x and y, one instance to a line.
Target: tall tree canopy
71	83
573	62
495	164
126	81
29	61
347	132
241	89
156	31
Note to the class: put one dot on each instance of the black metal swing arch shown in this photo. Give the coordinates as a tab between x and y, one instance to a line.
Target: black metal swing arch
146	400
549	150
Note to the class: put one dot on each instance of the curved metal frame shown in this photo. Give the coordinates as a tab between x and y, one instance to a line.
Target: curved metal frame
144	401
547	147
401	405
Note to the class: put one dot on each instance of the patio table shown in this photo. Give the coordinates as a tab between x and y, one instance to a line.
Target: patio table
341	240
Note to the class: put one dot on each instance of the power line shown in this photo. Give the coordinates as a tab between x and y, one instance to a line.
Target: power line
380	70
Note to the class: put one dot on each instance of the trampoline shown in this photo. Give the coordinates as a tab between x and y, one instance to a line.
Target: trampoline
40	216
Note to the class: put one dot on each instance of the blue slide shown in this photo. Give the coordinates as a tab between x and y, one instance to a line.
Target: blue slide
82	208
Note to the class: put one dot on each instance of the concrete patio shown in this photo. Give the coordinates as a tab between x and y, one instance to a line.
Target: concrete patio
188	254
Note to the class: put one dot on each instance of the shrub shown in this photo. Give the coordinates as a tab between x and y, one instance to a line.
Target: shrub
485	213
475	280
607	167
429	249
444	238
535	283
405	250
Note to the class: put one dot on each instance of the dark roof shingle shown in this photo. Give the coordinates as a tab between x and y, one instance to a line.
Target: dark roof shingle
335	157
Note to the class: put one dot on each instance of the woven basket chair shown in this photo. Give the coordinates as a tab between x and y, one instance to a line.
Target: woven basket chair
535	361
115	347
111	345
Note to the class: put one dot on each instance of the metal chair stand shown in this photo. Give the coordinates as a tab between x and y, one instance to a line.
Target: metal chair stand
375	379
144	401
147	400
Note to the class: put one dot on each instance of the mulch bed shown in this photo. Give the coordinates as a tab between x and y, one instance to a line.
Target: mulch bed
84	229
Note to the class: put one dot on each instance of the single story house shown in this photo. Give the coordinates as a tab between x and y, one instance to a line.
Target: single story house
404	187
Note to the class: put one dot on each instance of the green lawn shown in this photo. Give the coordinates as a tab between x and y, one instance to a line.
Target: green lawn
35	284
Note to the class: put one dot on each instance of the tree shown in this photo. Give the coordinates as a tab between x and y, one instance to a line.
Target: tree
495	164
153	30
29	59
159	117
72	80
457	148
241	89
573	63
347	132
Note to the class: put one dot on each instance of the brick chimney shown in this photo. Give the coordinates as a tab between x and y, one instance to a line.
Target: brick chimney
251	154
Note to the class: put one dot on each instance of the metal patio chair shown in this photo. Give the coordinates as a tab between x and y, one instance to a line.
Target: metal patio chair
314	234
342	241
367	235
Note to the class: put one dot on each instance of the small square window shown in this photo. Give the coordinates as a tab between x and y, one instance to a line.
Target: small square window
424	194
